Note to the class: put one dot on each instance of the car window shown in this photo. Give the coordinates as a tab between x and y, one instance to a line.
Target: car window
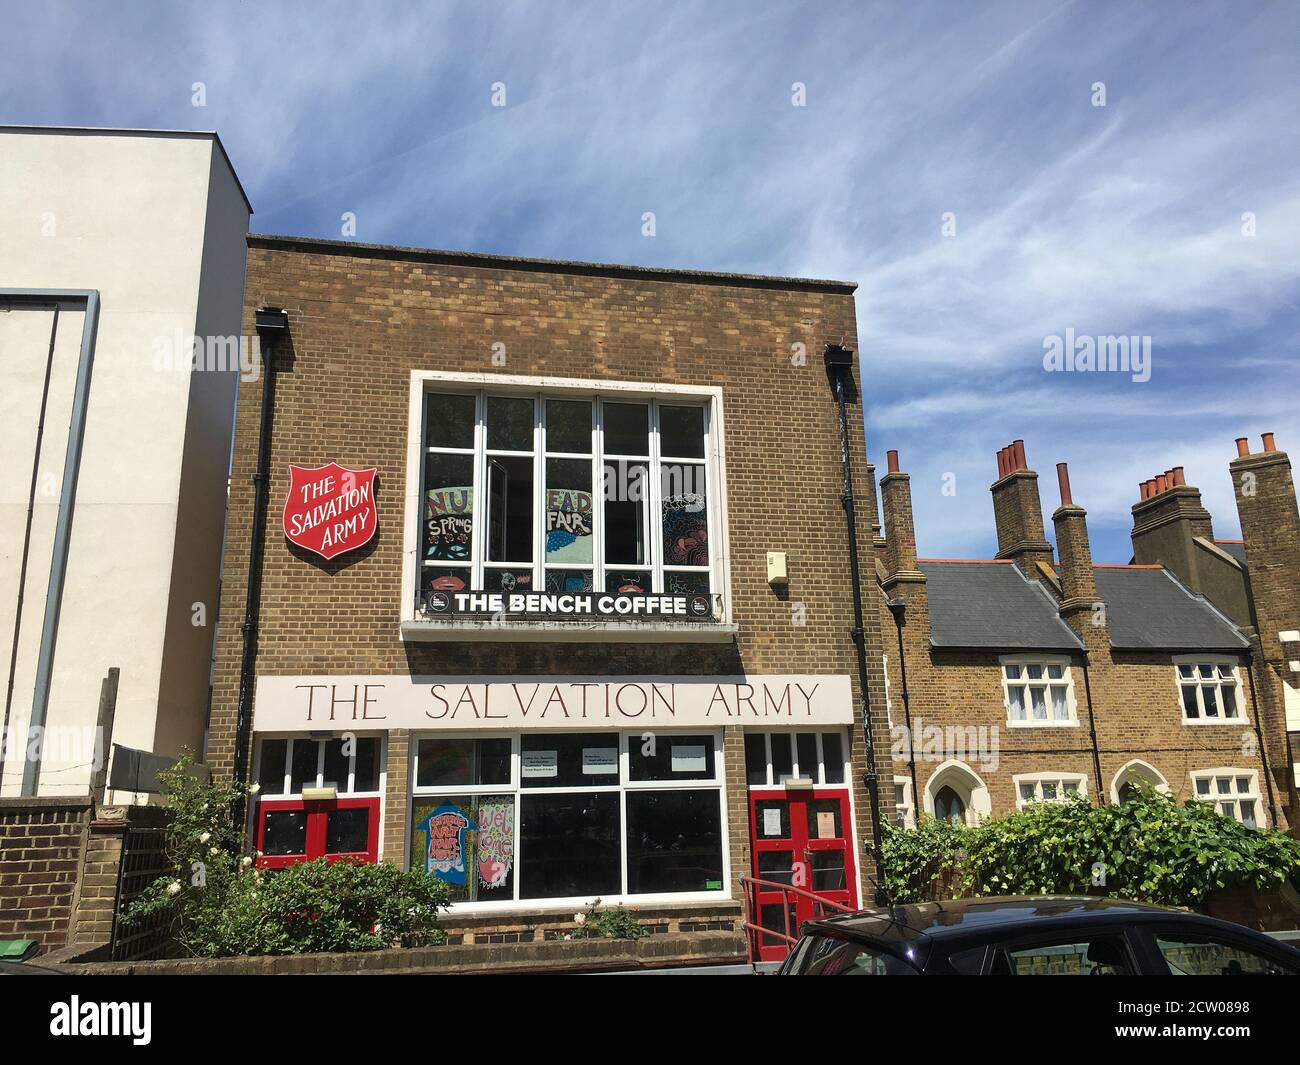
826	956
1198	954
1100	954
968	962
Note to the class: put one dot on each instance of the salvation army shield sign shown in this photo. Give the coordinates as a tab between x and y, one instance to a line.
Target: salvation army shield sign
330	510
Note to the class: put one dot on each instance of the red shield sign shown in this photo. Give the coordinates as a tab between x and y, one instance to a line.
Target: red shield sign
329	509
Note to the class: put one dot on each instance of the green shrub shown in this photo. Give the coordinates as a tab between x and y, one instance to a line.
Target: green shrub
1149	848
615	923
218	904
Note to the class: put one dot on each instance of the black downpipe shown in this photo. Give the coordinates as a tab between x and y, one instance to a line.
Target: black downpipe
1092	732
839	363
898	612
268	335
1259	738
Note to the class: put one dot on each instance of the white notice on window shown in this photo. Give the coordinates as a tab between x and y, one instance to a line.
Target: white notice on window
536	764
771	822
689	758
599	760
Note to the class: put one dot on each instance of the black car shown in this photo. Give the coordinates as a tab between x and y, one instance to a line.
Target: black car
1038	936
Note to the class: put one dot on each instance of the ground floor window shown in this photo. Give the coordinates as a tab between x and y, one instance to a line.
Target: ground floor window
1048	787
569	815
1234	793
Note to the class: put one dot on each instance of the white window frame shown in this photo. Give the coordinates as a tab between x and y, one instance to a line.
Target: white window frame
709	398
907	809
1137	769
625	784
1079	780
1233	663
1023	662
798	770
320	741
1216	798
963	779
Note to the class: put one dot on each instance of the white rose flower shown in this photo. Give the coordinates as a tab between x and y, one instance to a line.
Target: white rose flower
213	851
245	861
254	789
205	837
174	888
580	918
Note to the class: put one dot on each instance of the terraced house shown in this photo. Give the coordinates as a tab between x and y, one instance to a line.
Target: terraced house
1038	675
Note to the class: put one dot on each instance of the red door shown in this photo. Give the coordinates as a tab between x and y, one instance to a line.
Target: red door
297	830
801	839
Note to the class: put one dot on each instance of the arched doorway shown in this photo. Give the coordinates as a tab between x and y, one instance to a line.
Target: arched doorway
949	806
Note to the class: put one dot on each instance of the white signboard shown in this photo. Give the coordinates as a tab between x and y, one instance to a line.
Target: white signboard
599	760
771	822
306	703
534	764
689	758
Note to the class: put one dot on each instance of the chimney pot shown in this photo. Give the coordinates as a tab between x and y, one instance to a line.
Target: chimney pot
1002	465
1269	445
892	458
1018	455
1063	482
1151	487
1178	477
1161	484
1243	447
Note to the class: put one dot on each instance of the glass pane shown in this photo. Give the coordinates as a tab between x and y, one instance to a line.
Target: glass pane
755	758
568	426
1223	785
1060	706
1104	955
1013	672
1243	785
1225	673
828	871
1027	792
468	842
824	820
1188	954
1248	813
365	775
833	757
448	506
1055	672
1229	700
443	762
1186	672
510	509
685	516
562	760
493	761
568	580
440	579
1071	789
1209	694
507	580
674	841
1228	809
304	765
1206	670
625	522
568	511
509	424
286	832
777	866
1049	790
773	817
1016	694
659	757
686	583
347	831
782	759
1190	707
681	432
1036	696
627	582
1203	786
270	771
806	748
450	421
570	845
1034	672
336	766
627	429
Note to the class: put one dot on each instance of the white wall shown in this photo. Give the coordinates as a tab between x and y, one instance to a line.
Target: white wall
151	221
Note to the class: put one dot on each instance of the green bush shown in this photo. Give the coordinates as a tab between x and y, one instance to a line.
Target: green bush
615	923
1149	848
218	904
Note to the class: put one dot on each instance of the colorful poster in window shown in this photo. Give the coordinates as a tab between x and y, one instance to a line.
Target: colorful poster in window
449	523
496	842
686	534
446	843
568	525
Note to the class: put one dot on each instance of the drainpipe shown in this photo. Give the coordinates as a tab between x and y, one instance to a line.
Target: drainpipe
898	608
272	325
839	368
1259	739
1092	732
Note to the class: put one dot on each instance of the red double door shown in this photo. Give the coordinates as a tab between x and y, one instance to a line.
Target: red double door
801	840
299	830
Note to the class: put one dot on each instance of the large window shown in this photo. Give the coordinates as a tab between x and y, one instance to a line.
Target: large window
565	493
1038	691
1234	793
1209	691
569	815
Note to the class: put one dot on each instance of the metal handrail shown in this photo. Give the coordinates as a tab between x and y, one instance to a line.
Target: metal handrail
750	885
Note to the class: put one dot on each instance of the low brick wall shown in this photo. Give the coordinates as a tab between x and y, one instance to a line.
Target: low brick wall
544	925
549	956
41	844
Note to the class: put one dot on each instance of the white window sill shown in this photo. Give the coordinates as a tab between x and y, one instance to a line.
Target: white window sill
1042	724
1236	722
595	631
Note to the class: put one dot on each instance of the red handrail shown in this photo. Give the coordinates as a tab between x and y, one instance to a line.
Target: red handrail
750	885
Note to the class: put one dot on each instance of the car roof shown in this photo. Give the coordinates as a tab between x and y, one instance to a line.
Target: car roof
959	917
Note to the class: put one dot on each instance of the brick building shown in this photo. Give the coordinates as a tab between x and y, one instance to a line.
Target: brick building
528	633
1039	674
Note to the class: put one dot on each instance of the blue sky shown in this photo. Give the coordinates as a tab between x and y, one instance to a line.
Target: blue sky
1117	220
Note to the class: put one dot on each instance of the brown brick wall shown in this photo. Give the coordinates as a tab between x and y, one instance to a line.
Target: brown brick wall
41	844
361	320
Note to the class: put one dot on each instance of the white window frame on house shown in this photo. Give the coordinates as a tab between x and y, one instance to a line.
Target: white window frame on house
1219	664
414	626
798	770
625	785
321	741
1045	664
905	811
1048	787
968	784
1235	793
1134	771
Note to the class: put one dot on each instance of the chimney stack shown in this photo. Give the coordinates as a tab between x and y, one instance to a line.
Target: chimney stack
1078	581
1018	513
900	533
1167	520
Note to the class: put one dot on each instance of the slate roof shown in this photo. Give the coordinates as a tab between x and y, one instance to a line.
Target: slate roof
1147	608
992	605
1235	548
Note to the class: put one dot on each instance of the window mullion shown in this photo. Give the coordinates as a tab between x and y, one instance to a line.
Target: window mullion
598	496
478	543
539	495
654	543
